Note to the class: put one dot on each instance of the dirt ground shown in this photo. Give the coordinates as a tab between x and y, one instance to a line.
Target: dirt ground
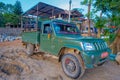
16	65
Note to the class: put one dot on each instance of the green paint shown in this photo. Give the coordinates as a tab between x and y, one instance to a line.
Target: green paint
31	37
56	41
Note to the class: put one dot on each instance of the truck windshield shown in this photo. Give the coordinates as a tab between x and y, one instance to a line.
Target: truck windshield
65	28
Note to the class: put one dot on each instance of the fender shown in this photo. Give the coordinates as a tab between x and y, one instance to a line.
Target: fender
69	46
74	47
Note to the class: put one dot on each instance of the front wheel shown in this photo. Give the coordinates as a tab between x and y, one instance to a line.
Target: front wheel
71	64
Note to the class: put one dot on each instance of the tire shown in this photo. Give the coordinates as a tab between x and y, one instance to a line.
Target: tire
30	49
72	67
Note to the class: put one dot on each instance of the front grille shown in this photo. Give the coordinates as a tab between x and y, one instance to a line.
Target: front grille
100	45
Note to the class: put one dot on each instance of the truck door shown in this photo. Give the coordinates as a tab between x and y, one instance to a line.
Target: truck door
45	42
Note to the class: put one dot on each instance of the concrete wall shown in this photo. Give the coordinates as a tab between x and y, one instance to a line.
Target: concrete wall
10	34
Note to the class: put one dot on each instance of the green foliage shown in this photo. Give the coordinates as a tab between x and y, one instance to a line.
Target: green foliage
115	6
110	8
112	37
6	8
84	2
9	8
88	3
1	20
17	8
100	22
11	18
114	20
10	13
2	7
102	5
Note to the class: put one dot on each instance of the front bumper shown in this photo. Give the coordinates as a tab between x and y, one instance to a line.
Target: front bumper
93	58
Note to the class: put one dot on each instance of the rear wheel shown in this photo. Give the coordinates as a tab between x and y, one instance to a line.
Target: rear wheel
71	64
30	49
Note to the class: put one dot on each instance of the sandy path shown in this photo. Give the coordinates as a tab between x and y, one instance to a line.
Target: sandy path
16	65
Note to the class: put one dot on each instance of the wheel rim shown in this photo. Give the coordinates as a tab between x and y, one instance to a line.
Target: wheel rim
70	65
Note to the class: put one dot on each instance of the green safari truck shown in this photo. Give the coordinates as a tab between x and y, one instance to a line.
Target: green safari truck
62	39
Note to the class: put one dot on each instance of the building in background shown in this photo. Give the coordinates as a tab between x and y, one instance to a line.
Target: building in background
44	11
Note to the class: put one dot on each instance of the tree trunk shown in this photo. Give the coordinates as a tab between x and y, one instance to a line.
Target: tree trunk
99	29
89	7
99	32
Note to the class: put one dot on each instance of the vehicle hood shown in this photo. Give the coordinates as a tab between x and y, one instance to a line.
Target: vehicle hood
79	38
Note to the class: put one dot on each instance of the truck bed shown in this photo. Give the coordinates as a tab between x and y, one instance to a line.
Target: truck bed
31	37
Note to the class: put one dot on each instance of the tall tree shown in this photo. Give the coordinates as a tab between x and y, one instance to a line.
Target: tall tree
2	20
115	12
18	11
109	8
17	8
9	8
99	23
88	2
2	10
2	7
10	13
11	18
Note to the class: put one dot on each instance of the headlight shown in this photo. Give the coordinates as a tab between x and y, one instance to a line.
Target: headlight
87	46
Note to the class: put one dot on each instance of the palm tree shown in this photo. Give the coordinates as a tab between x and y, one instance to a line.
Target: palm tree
88	2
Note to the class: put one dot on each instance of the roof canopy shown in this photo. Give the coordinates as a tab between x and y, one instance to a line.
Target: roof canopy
43	10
